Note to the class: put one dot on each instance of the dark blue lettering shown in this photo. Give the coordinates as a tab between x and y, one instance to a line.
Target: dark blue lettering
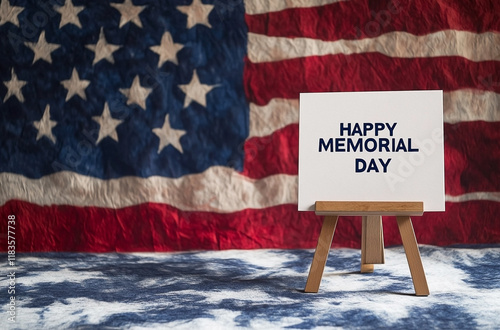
367	127
391	128
410	149
356	130
384	165
327	145
354	147
372	166
340	144
342	129
360	165
379	127
383	143
373	148
401	146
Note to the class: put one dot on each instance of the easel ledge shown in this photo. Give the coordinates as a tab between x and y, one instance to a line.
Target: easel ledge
369	208
372	241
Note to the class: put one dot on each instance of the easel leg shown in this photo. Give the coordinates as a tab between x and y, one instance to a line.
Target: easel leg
321	254
365	267
372	243
413	255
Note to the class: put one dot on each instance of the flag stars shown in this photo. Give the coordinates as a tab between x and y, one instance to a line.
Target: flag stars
69	14
107	125
167	49
136	94
197	13
14	86
9	13
169	136
42	49
196	91
129	12
45	125
103	50
75	86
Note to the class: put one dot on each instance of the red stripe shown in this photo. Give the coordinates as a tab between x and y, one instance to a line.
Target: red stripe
157	227
474	222
471	156
365	72
369	19
273	154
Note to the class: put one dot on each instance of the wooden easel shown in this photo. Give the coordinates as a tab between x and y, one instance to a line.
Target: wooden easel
372	241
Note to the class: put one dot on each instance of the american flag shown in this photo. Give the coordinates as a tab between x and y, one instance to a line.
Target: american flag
149	125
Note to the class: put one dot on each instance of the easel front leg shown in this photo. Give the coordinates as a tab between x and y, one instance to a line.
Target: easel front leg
321	254
413	255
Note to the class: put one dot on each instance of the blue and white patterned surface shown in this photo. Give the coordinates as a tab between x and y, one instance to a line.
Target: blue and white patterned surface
259	289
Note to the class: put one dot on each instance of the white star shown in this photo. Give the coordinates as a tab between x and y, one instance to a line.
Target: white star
196	91
75	86
9	13
129	12
42	48
69	14
167	50
14	87
45	126
102	49
107	125
169	135
197	13
136	93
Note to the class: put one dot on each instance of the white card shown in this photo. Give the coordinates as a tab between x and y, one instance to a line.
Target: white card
371	146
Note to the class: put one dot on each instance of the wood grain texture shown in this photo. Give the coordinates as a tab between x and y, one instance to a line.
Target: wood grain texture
413	255
369	208
372	240
321	254
365	267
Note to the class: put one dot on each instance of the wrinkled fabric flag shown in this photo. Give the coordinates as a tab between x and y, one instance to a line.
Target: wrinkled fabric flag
148	125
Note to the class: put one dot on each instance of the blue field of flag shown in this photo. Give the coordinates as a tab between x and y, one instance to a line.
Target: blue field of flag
113	89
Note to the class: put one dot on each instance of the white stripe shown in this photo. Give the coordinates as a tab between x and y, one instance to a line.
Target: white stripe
459	106
253	7
269	118
471	105
278	113
476	196
218	189
475	47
